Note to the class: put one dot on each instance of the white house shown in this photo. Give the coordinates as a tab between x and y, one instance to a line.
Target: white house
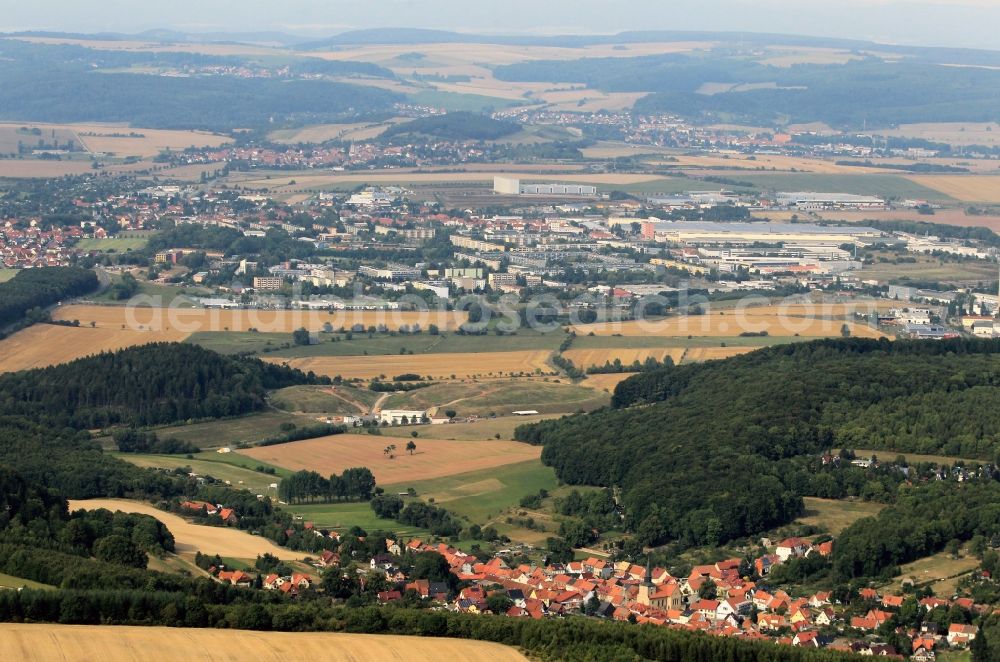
402	416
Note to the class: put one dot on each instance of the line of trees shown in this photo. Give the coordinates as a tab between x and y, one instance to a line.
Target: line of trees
38	288
355	484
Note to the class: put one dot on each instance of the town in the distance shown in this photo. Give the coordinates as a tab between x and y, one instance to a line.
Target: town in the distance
644	346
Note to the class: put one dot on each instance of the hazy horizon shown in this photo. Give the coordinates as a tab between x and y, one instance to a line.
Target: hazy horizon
956	23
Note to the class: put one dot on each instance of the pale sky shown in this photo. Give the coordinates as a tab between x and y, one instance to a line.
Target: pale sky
964	23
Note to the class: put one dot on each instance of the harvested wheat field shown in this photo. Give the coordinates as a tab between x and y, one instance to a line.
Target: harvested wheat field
43	345
606	382
434	458
435	366
191	538
816	309
71	643
699	354
191	320
969	188
585	358
729	325
27	168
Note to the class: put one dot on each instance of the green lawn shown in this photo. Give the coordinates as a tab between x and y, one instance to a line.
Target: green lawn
325	399
239	470
7	274
482	495
501	397
163	295
342	516
476	497
454	101
894	186
485	428
11	582
239	342
227	432
119	244
423	343
927	268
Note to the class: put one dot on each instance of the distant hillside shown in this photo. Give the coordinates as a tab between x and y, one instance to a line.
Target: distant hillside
913	89
455	126
66	83
709	452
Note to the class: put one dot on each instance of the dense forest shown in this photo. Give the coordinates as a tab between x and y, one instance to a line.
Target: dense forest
705	453
454	126
38	288
907	91
146	385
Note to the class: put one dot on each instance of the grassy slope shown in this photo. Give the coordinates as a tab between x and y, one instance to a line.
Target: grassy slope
501	397
7	274
833	516
320	400
379	345
214	434
239	470
11	582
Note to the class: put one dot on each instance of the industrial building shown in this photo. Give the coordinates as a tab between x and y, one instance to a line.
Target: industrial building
802	234
513	186
826	201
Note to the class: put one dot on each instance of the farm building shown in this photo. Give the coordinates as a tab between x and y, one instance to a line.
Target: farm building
402	416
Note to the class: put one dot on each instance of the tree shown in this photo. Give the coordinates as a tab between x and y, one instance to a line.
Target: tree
499	603
120	550
431	566
845	331
411	446
301	336
450	413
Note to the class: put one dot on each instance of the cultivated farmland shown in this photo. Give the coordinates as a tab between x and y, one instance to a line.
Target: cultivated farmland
436	366
43	345
729	325
191	320
500	397
433	458
975	188
191	538
29	642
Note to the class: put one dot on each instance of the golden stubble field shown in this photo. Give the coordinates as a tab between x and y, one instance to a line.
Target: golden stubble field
112	138
192	320
79	643
730	324
191	538
433	458
967	188
437	366
42	345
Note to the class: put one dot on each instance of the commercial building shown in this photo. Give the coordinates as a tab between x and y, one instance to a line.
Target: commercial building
512	186
825	201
